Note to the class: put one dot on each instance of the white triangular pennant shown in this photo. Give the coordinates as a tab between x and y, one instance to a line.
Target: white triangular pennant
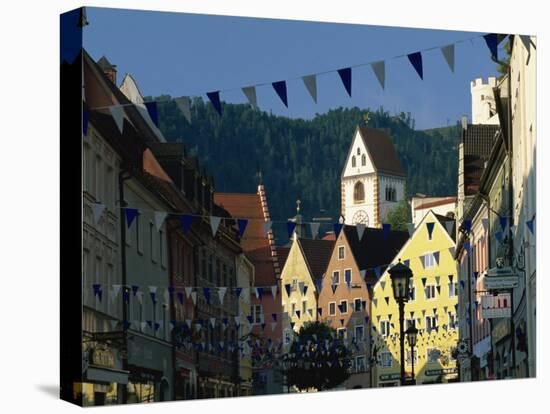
153	289
140	296
410	228
360	230
449	226
194	297
116	289
221	293
212	322
214	224
184	105
274	291
310	81
188	291
363	273
250	93
449	54
97	209
314	229
159	219
117	112
526	40
188	322
143	325
266	226
379	69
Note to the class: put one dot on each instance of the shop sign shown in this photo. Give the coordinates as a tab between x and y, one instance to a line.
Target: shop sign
498	278
103	357
501	330
389	377
442	371
497	306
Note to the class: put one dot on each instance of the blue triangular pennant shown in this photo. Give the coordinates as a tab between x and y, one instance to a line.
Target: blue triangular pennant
135	289
386	227
153	112
97	291
304	290
131	214
215	100
467	225
280	88
260	292
416	60
181	297
290	226
498	236
206	292
492	44
467	247
287	288
503	222
430	227
337	229
238	291
186	222
378	271
345	75
334	288
274	317
530	226
319	284
242	223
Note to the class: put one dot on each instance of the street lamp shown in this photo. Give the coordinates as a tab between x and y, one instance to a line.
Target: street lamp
400	279
411	333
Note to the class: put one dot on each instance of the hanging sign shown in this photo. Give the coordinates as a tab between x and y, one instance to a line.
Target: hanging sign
496	306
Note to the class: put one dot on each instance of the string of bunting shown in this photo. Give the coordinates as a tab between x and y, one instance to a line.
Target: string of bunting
310	82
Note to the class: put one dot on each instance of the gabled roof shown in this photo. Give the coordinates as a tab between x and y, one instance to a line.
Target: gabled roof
436	203
282	255
317	255
257	247
443	220
374	250
478	141
104	63
381	151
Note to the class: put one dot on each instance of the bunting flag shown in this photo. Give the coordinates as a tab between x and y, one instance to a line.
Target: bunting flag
513	229
160	216
530	225
424	280
298	313
97	211
451	278
287	288
360	230
382	285
437	279
301	287
214	224
206	292
436	257
498	236
97	291
310	81
476	274
238	291
117	112
290	226
85	119
467	247
266	227
386	227
213	322
131	214
221	293
215	100
314	227
503	222
363	273
181	297
334	288
153	294
319	284
387	299
462	284
526	40
416	61
378	271
410	228
379	69
186	222
280	89
305	290
485	223
259	293
407	262
184	105
337	229
430	227
467	225
438	290
449	55
152	110
449	226
345	76
135	289
274	291
492	44
250	93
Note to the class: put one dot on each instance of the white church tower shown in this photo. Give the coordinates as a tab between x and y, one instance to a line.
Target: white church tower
373	181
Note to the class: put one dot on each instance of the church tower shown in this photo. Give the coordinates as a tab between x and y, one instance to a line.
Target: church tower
372	181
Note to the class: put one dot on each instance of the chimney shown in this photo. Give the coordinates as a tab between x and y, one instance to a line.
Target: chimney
108	68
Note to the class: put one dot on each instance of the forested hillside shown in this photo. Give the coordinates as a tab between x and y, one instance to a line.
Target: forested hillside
304	158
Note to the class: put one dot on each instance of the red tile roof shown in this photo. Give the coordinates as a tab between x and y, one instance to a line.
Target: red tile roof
381	150
259	249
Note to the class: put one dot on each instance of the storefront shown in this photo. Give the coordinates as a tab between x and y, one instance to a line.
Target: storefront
502	348
185	381
389	380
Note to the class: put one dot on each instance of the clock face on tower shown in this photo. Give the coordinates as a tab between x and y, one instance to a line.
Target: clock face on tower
361	217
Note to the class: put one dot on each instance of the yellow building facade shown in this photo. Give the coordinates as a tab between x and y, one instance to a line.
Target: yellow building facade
431	307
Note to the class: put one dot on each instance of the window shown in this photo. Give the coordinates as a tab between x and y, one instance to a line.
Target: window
429	260
353	161
391	194
431	323
357	305
359	333
453	289
385	328
343	306
347	276
294	285
358	151
360	363
430	291
335	277
453	323
341	253
363	160
358	192
386	359
332	308
412	294
257	316
432	355
342	333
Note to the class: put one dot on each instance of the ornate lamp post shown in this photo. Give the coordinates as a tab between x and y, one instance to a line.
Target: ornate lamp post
411	333
400	280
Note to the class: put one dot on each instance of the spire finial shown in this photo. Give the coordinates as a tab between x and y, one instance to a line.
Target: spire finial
366	117
298	202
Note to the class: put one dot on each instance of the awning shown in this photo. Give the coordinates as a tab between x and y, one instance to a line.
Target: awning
107	375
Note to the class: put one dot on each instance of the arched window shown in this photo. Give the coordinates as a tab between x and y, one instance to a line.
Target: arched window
363	160
358	151
353	161
359	192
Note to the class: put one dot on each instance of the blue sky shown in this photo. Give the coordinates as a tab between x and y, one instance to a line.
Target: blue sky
189	54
